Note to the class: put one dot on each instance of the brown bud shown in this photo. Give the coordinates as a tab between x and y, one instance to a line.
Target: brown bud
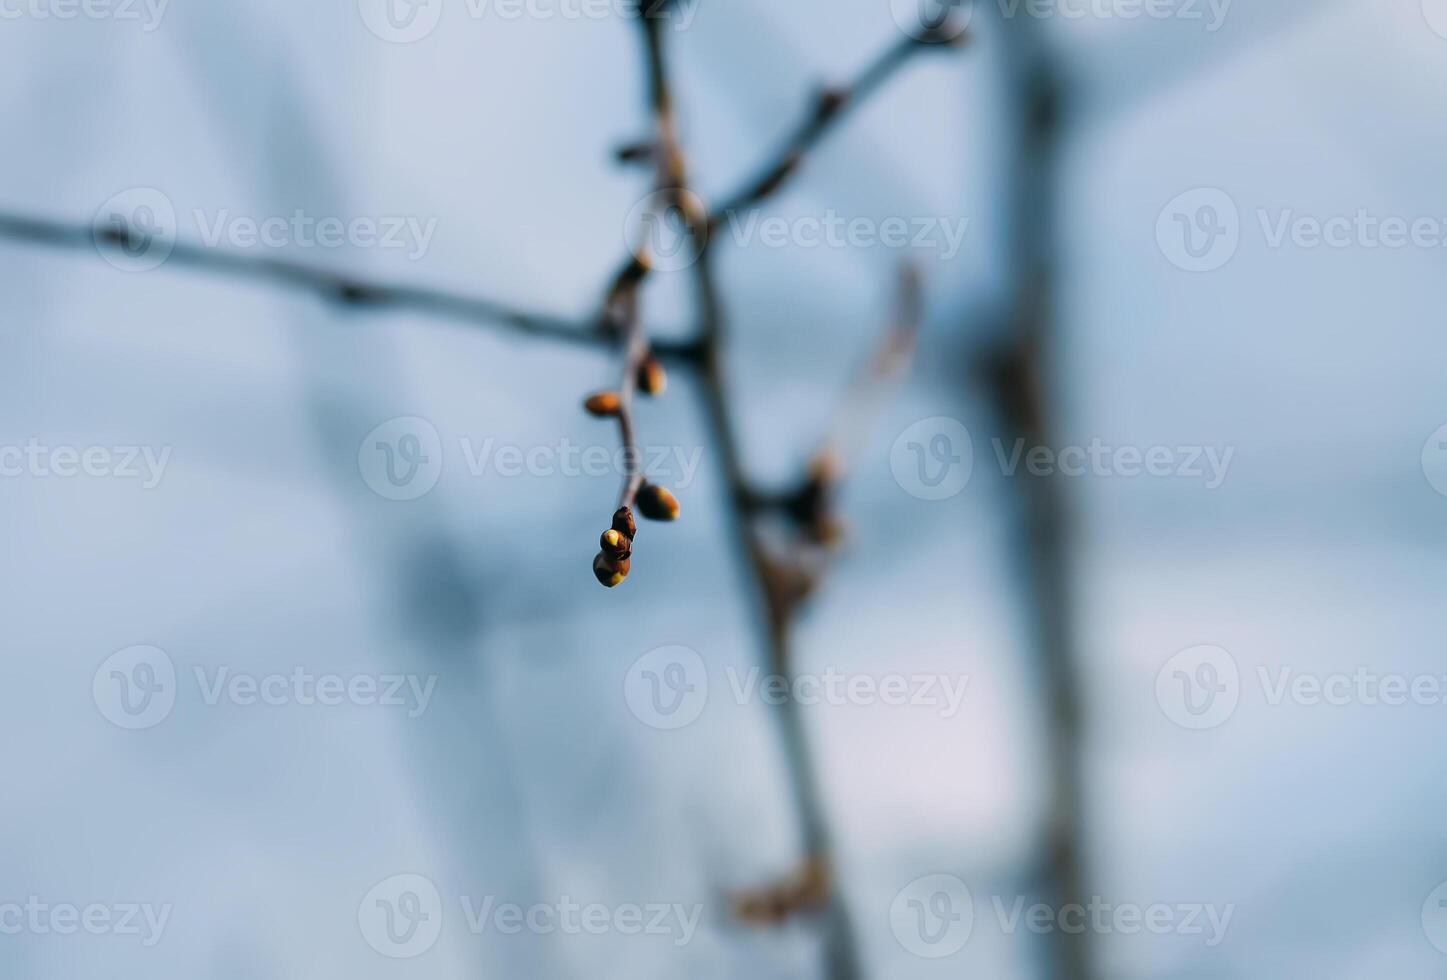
657	503
828	530
652	379
831	100
604	404
616	545
609	571
624	524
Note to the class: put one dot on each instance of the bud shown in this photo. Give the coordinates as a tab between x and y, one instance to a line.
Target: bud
616	545
831	100
624	524
652	379
608	571
604	404
828	530
657	503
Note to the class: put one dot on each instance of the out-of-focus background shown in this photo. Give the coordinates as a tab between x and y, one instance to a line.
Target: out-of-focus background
272	712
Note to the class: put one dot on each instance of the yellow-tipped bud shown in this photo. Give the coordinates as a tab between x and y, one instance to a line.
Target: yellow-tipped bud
616	545
652	379
610	572
657	503
604	404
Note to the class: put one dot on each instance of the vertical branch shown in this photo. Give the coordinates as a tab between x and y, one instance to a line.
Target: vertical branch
779	584
1020	385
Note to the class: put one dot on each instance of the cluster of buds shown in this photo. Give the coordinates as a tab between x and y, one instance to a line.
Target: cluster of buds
657	503
651	379
612	563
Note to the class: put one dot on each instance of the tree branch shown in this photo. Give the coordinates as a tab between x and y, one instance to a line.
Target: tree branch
336	287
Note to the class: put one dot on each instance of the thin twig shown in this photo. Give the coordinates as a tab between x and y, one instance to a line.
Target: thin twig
333	286
867	391
829	108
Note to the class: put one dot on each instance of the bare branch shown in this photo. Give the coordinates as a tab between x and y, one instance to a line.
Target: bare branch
331	286
884	369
